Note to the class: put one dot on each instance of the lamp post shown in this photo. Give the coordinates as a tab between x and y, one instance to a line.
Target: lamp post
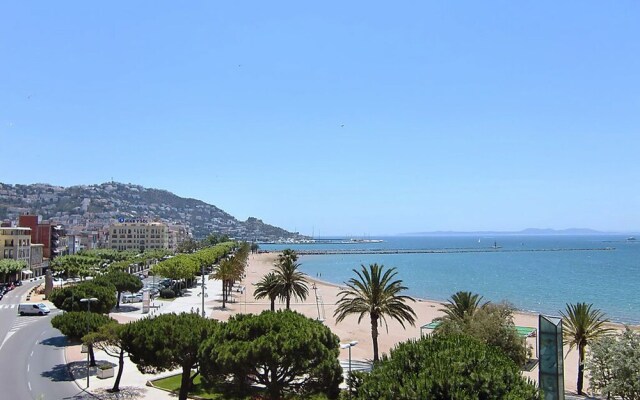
315	290
88	301
349	346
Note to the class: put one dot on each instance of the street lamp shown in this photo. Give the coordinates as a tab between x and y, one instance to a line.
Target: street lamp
88	301
349	346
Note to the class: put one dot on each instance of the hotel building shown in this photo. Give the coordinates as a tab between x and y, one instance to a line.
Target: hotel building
138	235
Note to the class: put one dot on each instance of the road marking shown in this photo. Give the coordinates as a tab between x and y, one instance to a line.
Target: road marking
28	367
29	384
31	353
9	334
18	324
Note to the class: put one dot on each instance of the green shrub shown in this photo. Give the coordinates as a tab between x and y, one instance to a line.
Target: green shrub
250	348
167	294
614	366
445	367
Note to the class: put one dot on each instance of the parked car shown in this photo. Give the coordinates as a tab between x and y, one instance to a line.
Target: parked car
152	291
131	298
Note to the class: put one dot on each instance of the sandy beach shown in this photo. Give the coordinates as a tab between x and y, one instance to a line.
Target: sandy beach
350	329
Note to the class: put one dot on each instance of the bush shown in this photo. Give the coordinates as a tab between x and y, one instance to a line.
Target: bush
167	294
614	366
250	348
492	325
445	367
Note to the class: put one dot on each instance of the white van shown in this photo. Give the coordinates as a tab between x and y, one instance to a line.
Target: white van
131	298
33	309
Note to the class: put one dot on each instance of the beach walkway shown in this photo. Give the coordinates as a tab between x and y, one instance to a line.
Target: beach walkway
134	384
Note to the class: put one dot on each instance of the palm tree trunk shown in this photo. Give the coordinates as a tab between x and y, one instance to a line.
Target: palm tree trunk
273	304
224	295
581	350
288	300
374	336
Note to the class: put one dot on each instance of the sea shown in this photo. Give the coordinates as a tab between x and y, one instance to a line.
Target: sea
535	273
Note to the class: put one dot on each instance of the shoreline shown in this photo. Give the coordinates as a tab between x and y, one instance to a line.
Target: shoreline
614	324
350	329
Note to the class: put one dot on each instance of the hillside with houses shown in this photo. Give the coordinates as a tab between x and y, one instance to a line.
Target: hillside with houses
93	207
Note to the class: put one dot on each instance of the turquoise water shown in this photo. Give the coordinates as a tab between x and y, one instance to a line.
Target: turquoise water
540	281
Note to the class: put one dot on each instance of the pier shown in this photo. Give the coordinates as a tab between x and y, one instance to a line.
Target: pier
437	251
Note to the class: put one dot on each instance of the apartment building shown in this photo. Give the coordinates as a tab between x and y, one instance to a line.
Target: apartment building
37	263
15	243
138	235
83	240
44	233
177	234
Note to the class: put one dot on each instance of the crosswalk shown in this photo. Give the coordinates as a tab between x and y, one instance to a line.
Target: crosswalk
19	323
22	322
7	306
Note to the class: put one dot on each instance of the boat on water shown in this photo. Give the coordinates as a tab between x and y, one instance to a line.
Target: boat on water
631	238
495	246
353	240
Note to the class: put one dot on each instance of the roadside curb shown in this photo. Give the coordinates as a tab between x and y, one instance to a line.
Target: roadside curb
66	363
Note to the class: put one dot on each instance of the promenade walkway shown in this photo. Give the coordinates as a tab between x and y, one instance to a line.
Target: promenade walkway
133	384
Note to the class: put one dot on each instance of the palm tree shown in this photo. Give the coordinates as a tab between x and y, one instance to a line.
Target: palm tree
462	306
225	272
268	287
376	294
581	326
291	282
288	253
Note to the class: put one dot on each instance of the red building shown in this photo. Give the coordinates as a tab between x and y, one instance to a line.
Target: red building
42	233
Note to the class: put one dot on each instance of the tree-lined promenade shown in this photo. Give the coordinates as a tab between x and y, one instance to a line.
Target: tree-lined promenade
229	362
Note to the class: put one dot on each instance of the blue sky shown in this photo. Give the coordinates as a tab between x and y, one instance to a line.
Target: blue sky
336	117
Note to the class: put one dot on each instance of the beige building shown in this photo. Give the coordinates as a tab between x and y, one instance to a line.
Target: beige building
138	235
177	235
38	263
15	243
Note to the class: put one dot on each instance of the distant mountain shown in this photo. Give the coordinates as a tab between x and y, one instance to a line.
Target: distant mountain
528	231
570	231
102	204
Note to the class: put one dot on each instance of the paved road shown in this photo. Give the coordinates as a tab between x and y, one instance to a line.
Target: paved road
9	308
32	363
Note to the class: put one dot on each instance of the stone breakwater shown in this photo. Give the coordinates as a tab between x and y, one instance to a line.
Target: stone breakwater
437	251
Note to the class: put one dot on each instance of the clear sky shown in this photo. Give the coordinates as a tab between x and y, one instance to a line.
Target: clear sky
345	117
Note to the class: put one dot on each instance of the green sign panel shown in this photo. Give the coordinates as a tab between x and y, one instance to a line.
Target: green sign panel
551	367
